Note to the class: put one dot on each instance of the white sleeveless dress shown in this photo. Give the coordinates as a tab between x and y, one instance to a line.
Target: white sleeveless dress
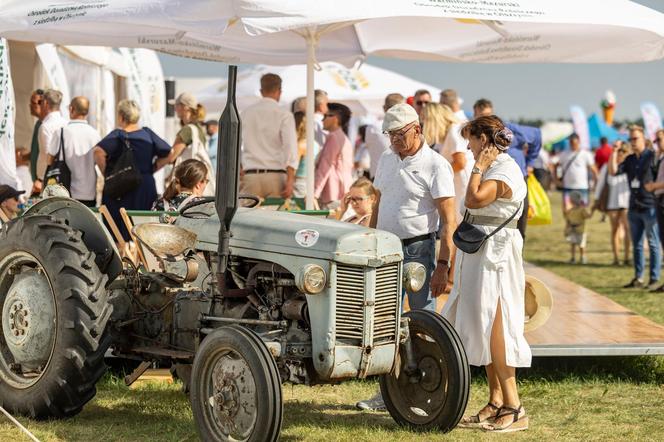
494	273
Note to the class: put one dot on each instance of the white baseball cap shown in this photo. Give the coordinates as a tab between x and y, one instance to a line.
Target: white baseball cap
398	116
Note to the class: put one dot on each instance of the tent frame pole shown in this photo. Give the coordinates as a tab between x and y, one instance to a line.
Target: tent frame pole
311	39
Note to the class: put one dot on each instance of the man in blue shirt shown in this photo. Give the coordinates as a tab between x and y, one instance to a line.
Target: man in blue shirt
641	170
525	149
212	130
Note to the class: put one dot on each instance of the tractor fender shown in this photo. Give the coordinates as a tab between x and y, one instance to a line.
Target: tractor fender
95	236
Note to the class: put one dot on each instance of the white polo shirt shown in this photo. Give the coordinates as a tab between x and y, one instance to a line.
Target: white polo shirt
80	138
408	189
50	125
575	164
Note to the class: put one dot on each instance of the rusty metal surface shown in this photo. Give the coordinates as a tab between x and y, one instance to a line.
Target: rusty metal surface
165	241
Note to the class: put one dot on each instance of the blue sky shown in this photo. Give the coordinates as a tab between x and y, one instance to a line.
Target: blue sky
528	91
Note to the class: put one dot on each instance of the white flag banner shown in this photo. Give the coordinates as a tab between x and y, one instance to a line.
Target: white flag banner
55	73
580	123
107	108
145	85
7	152
652	119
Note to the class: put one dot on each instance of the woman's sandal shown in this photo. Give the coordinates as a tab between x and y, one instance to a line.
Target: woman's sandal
475	421
517	424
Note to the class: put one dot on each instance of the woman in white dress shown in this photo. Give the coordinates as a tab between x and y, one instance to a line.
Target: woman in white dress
486	305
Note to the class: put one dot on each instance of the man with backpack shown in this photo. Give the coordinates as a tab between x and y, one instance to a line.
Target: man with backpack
75	144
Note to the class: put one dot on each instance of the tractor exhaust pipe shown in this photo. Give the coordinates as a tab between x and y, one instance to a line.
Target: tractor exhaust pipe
228	168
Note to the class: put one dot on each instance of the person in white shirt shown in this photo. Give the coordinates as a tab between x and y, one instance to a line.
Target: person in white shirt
450	98
576	165
320	109
52	122
416	196
79	141
376	141
269	151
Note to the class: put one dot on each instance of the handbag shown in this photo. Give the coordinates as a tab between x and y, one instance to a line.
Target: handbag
603	201
470	239
59	172
125	176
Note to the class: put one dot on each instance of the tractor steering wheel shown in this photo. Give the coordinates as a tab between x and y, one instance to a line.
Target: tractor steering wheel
187	212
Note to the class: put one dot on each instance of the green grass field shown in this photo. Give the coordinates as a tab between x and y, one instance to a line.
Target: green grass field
566	398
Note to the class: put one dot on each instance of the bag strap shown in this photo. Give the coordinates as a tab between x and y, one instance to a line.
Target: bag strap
506	222
569	164
61	146
126	140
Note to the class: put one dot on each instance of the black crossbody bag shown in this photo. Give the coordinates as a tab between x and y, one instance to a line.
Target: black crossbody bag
59	172
125	176
470	239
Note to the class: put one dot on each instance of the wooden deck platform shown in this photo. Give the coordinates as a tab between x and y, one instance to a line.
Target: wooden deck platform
585	323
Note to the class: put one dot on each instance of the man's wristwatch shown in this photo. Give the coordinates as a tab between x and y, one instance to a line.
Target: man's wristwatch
477	170
444	262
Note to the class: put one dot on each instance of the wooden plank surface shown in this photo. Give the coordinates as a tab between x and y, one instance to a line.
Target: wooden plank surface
583	317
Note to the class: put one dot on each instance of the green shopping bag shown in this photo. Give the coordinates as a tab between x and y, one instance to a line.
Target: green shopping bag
539	213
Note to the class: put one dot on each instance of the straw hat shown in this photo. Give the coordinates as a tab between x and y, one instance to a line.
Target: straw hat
538	303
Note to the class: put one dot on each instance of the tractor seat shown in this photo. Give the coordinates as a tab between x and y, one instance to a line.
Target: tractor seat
165	241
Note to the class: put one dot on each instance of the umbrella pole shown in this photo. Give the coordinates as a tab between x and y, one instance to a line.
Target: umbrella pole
311	57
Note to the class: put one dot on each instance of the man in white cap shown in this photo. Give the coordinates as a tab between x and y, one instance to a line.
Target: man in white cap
416	198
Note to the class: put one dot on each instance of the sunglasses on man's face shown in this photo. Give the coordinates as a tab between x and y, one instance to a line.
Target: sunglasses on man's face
422	102
634	139
329	115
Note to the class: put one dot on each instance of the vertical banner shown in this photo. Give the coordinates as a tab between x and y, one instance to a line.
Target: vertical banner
652	119
580	123
7	153
146	87
55	72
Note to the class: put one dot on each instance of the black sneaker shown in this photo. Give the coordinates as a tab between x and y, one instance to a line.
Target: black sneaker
653	285
634	284
659	289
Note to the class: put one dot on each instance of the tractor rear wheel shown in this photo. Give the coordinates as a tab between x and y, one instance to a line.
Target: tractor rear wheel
54	313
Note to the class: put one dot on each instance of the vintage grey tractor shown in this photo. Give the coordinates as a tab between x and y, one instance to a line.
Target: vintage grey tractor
245	299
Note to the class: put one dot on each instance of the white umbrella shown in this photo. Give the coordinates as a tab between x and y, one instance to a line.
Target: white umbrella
277	31
362	89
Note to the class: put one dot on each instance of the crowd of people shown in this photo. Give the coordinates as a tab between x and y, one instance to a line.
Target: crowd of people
424	172
625	183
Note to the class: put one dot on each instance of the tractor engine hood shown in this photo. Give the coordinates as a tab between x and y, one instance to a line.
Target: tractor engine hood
300	235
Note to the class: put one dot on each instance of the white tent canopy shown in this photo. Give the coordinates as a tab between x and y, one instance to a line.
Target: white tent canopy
259	31
298	31
362	89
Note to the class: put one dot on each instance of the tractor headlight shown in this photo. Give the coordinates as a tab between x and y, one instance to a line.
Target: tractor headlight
414	275
311	279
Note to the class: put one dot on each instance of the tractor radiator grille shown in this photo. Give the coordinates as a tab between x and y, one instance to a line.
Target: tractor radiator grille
350	299
387	286
350	302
